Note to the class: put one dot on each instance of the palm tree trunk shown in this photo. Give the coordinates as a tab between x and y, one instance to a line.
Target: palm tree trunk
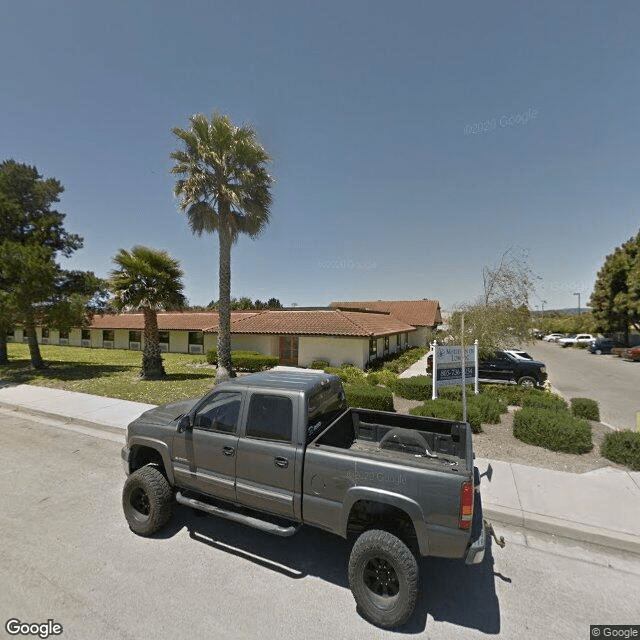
225	368
34	349
152	367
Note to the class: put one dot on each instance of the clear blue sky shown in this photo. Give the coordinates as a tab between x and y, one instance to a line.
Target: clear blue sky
403	157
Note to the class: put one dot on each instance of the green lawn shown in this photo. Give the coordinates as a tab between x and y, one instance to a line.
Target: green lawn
109	372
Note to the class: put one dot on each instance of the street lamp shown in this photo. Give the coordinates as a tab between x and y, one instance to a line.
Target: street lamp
577	294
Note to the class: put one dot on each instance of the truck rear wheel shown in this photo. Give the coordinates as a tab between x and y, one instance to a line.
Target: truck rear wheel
147	501
383	577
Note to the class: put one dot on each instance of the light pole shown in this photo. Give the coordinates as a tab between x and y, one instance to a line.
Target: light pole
577	294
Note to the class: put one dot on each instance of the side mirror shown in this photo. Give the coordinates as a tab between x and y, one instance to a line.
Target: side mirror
184	424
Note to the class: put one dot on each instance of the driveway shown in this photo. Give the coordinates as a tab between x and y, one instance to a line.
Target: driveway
614	383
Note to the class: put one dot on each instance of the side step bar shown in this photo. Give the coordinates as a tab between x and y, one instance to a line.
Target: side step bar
256	523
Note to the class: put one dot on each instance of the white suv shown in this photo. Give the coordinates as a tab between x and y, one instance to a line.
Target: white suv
580	338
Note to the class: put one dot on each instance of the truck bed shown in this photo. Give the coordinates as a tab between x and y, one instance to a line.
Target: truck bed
392	435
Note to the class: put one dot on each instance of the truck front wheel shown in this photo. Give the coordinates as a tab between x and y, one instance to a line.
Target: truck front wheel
383	577
147	501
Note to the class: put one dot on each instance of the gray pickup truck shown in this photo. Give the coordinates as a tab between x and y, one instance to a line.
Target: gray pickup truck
279	449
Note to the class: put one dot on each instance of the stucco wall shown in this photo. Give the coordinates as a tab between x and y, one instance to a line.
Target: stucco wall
334	349
265	344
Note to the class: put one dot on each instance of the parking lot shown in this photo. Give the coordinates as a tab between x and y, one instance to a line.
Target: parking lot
613	382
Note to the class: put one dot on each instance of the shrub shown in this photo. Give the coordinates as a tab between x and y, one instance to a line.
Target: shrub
348	374
490	408
252	361
368	397
549	401
245	360
622	447
552	429
373	378
509	394
416	388
585	408
319	364
449	410
400	360
388	378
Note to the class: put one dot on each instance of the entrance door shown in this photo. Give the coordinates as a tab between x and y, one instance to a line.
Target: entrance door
288	353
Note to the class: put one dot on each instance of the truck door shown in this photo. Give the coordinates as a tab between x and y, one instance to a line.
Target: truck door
205	456
266	463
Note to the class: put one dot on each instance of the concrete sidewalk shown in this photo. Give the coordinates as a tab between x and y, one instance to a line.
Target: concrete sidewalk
600	507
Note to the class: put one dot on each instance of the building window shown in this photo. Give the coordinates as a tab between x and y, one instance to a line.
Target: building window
108	335
406	339
45	332
373	348
386	345
163	337
86	334
135	336
398	341
196	337
64	334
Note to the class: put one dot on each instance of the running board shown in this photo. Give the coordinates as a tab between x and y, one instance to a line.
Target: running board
256	523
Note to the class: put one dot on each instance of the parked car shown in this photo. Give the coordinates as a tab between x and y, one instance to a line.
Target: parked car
633	354
578	338
278	449
553	337
602	345
504	366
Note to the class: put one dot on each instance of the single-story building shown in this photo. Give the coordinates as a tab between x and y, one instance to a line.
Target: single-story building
296	336
424	315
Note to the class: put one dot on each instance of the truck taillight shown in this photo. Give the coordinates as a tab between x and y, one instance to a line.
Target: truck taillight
466	505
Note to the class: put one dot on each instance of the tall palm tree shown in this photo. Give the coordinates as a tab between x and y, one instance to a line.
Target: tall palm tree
224	188
150	281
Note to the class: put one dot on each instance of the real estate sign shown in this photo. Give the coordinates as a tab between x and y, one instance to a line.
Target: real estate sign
447	366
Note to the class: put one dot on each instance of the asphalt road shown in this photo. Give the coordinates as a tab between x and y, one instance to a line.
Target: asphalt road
68	555
613	382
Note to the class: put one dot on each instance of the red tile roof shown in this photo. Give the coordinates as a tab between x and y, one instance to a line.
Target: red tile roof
332	322
178	321
419	313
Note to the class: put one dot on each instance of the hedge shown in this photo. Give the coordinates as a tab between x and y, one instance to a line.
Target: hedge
245	360
585	408
510	394
552	429
416	388
369	397
622	447
545	401
449	410
400	360
319	364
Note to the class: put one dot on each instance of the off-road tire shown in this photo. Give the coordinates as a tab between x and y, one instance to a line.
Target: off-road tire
383	577
147	501
527	382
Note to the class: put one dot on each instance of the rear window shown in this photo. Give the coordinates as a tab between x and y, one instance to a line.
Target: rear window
324	406
270	417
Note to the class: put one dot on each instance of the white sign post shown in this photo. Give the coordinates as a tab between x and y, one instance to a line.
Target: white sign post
447	366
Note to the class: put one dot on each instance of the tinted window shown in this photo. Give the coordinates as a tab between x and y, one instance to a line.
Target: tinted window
220	413
270	417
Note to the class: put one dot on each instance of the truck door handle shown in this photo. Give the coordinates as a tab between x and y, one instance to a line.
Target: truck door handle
228	451
281	462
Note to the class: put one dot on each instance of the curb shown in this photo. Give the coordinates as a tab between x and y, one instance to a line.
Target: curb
563	528
62	418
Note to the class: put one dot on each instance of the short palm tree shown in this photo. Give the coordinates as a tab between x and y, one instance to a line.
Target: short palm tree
224	188
147	280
